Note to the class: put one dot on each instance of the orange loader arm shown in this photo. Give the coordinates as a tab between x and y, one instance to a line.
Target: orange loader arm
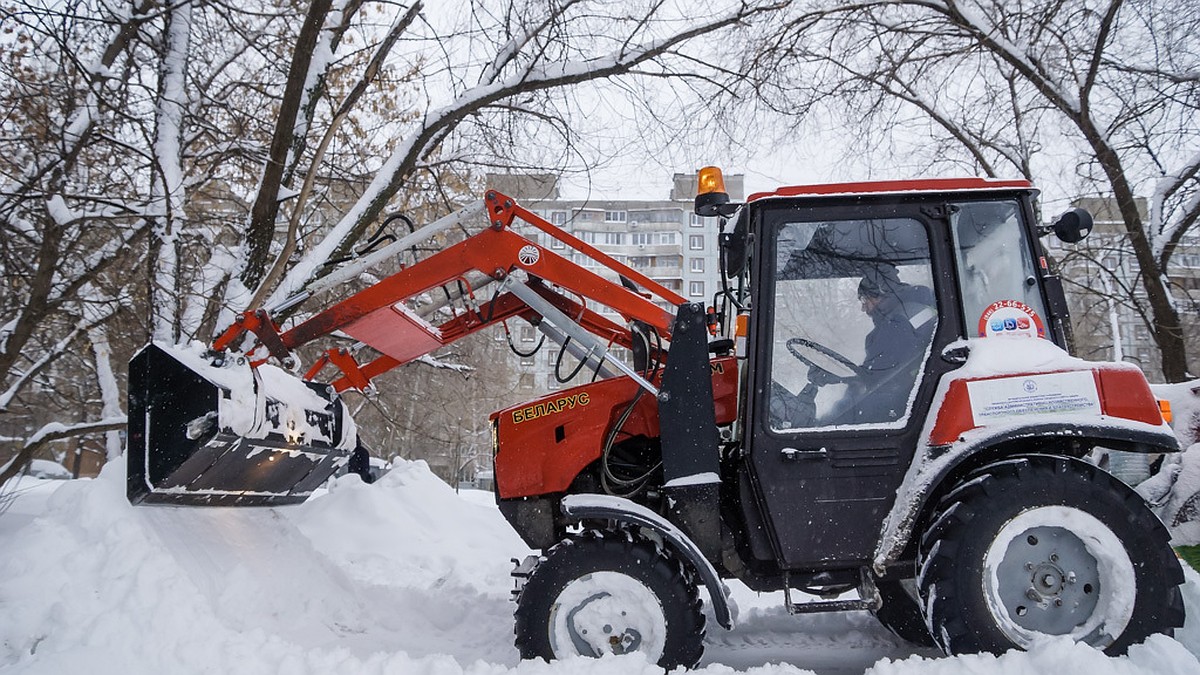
379	317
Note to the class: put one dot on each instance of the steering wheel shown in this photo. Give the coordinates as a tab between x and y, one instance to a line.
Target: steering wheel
823	374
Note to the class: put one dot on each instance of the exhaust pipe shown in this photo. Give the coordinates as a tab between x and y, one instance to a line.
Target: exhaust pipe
224	434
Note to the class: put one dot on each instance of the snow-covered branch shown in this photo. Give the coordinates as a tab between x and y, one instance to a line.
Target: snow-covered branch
47	357
167	194
56	431
437	121
1168	231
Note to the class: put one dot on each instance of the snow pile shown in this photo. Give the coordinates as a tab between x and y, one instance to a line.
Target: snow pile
411	528
96	585
1184	398
1175	489
402	576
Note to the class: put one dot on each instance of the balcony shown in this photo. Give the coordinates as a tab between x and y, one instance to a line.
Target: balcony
642	249
662	272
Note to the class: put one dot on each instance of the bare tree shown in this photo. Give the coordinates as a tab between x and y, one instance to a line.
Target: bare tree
1114	84
164	165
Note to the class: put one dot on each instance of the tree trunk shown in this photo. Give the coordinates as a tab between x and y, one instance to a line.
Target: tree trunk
1167	327
263	214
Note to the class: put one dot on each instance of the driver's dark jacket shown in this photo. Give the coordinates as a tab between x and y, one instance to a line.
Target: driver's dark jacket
893	350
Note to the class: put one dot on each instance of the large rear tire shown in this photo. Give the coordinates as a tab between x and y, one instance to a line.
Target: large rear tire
610	592
1038	546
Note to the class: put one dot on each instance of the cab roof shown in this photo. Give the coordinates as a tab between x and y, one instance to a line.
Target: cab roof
895	187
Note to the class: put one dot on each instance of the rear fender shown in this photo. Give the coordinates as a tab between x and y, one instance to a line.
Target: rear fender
605	507
936	467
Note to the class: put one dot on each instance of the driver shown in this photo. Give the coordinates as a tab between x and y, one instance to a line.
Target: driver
903	317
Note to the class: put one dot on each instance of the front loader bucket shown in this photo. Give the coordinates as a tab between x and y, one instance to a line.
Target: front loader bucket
205	435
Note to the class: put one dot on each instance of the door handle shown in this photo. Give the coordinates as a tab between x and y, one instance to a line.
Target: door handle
792	454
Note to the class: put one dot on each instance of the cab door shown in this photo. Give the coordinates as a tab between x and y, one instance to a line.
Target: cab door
853	307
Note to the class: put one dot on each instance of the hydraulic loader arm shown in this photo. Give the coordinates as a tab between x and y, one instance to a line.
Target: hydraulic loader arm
535	283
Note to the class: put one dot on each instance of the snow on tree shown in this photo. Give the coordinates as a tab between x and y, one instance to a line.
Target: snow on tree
163	167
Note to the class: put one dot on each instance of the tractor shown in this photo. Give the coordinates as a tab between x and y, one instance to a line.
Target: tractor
877	410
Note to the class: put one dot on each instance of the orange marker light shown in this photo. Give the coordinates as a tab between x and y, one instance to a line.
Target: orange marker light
710	180
742	326
1164	407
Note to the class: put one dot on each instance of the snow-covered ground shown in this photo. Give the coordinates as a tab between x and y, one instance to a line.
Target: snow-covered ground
403	576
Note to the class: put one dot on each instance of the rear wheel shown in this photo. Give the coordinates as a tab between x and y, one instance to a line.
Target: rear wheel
1042	546
610	592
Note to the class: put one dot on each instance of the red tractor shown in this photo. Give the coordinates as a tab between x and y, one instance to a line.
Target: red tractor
877	401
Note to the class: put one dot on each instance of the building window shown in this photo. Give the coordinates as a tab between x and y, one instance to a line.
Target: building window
526	333
615	216
556	244
696	242
696	289
642	238
558	218
698	220
529	361
552	382
697	264
666	238
526	381
614	238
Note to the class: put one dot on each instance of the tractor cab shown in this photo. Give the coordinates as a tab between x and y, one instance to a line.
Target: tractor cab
861	292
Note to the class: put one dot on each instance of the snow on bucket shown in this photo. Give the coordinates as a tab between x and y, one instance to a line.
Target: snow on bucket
228	435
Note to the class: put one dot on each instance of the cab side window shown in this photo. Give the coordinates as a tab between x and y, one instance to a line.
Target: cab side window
853	318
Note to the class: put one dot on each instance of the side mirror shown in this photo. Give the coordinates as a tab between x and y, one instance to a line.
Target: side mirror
1072	226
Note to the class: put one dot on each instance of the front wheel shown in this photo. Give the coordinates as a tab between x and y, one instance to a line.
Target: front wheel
1044	546
610	592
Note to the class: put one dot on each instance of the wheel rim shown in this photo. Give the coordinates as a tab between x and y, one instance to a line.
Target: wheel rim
1056	570
607	613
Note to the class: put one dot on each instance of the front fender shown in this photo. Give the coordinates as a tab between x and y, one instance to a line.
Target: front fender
935	464
607	507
